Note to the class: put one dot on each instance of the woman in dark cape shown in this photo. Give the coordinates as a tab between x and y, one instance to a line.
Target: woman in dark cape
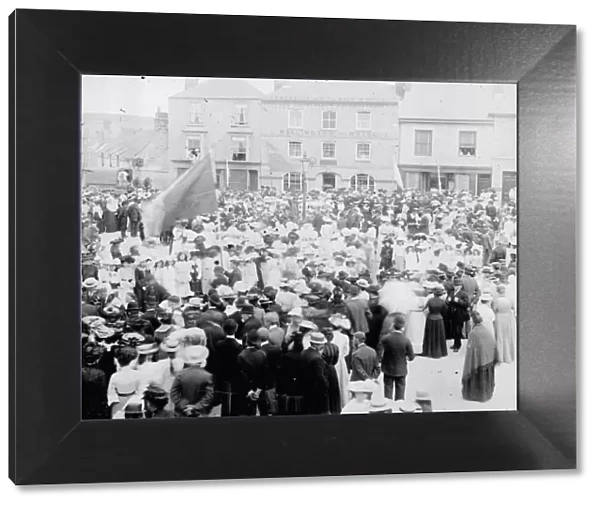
331	355
478	379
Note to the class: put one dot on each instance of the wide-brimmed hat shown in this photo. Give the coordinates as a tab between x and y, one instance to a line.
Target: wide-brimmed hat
486	297
195	354
132	338
340	321
170	345
90	283
195	302
112	310
363	387
305	324
379	404
295	312
363	283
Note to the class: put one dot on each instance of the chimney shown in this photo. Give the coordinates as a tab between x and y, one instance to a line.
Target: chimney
190	83
161	121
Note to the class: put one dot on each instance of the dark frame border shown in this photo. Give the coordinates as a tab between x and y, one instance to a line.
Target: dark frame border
49	50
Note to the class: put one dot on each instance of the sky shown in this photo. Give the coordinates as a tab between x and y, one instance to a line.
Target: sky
137	96
141	96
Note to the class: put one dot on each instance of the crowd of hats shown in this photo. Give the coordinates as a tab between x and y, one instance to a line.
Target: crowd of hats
254	228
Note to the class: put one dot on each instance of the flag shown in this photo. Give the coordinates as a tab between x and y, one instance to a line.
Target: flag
192	194
278	162
397	176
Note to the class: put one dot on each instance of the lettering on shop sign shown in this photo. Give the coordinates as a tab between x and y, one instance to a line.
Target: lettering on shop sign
354	134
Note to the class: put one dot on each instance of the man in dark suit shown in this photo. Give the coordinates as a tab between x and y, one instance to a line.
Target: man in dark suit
499	252
394	350
271	345
458	305
153	293
214	313
193	391
358	310
226	352
365	364
470	285
313	377
250	385
214	334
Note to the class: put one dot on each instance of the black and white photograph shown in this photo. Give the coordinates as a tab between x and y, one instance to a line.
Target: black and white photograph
257	247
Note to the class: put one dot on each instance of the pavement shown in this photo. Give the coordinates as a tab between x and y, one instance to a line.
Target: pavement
441	379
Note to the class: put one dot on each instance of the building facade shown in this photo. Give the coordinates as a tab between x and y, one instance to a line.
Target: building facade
347	131
222	116
458	136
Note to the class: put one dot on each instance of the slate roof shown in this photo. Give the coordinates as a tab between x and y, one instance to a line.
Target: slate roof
221	88
336	90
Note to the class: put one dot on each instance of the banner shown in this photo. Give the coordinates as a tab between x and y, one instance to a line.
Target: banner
397	176
192	194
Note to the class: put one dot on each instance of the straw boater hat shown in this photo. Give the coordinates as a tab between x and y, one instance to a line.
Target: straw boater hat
306	324
170	345
363	283
486	297
90	283
147	349
317	338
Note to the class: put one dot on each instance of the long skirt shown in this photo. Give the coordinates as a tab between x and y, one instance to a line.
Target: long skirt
505	326
109	220
334	392
479	385
434	341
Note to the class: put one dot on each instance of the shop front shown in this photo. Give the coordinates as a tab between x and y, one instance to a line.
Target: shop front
448	178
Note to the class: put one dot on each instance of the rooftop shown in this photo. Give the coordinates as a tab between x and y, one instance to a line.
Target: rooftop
336	90
458	101
132	144
221	88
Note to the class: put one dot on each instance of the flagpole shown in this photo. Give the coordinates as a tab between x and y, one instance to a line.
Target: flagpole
227	174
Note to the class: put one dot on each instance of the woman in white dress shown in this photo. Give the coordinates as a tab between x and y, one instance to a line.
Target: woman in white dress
505	325
169	276
342	341
125	383
159	267
182	274
486	312
126	277
415	324
411	259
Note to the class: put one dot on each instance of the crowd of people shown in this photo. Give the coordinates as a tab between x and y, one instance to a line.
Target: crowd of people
253	310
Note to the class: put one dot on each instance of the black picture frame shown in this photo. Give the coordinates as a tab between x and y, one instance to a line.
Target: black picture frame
50	50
